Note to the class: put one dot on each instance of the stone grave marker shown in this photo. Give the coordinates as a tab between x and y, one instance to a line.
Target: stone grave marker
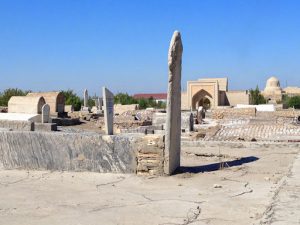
85	107
108	104
173	123
46	113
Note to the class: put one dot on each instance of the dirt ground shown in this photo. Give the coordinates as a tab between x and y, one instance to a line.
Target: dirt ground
243	192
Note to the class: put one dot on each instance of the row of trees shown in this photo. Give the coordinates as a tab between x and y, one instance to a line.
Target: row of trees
291	101
73	99
125	99
6	94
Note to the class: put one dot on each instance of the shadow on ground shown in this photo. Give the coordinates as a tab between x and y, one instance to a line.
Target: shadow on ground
216	166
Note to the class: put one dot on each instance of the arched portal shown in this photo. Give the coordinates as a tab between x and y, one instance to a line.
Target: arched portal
202	98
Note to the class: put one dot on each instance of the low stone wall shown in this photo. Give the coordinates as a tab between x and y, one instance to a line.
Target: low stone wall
81	152
17	125
160	119
233	144
233	112
290	113
119	109
142	129
150	156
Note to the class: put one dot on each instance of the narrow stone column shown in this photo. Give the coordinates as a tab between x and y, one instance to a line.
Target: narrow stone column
173	123
85	98
45	113
108	104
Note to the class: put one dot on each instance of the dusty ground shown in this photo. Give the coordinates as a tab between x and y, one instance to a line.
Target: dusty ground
250	191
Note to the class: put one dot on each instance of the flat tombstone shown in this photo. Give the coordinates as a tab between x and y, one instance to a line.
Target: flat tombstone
45	113
173	123
108	103
85	98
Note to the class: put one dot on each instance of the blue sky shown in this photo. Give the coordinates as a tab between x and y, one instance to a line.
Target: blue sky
60	44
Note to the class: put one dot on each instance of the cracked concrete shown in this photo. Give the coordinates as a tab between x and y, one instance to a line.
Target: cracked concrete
247	190
285	206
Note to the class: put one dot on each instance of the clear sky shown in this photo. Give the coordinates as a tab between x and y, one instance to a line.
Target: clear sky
123	44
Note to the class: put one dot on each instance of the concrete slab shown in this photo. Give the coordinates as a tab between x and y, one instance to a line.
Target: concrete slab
20	117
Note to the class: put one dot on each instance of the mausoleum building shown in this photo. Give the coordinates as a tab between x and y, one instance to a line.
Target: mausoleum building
56	100
211	93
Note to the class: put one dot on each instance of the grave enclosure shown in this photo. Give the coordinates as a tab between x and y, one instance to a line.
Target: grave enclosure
152	154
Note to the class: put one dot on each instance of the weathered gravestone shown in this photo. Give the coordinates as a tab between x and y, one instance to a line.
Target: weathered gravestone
85	107
85	98
46	113
191	122
173	123
108	104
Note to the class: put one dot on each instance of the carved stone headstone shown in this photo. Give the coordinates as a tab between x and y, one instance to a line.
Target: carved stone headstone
46	113
108	104
173	123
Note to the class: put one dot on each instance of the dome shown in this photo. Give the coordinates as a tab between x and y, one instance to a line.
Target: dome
273	84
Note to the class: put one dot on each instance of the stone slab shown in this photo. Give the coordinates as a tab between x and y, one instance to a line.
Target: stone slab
20	117
18	125
45	127
69	151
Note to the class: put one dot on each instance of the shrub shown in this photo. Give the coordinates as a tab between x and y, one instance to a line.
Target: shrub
256	97
8	93
72	99
294	102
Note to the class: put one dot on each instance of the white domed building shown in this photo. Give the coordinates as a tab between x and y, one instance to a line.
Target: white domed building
273	92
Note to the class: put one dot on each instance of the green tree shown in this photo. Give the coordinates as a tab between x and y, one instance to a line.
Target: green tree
91	101
294	102
256	97
124	99
72	99
143	103
161	105
8	93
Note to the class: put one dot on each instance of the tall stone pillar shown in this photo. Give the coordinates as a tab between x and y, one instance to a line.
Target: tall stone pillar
173	123
108	104
85	98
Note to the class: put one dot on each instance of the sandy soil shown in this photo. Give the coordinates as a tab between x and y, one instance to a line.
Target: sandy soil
201	193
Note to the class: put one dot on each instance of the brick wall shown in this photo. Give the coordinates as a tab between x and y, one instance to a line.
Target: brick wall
233	112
